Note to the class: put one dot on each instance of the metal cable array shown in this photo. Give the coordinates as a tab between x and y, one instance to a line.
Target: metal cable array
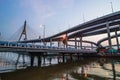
30	32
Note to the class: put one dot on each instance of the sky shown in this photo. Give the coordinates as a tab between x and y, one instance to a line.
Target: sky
56	15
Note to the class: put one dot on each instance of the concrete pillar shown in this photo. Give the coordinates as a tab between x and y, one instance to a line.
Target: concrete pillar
117	39
66	41
50	60
17	61
59	59
81	42
63	57
78	56
39	60
50	42
32	60
71	57
44	59
75	43
91	46
78	45
23	56
113	69
58	44
109	37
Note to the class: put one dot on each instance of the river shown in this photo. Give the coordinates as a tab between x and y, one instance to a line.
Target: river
83	69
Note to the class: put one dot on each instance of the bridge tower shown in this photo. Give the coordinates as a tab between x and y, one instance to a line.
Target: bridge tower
23	32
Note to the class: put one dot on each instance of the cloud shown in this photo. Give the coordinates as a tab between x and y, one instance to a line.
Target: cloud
67	3
39	8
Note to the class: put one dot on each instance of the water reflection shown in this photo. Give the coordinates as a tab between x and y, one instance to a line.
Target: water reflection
100	69
84	69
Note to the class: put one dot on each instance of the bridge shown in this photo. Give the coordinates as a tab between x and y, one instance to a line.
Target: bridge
105	24
69	42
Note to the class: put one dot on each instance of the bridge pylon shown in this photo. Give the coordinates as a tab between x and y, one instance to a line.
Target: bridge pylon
23	32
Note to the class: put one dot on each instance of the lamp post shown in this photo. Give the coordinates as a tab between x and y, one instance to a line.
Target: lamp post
43	33
111	7
43	30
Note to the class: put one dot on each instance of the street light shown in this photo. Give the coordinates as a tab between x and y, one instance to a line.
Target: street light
111	7
43	33
43	30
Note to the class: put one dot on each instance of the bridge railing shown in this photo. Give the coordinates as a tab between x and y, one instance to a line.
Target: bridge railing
24	45
33	46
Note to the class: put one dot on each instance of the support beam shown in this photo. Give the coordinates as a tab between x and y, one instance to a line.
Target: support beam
59	58
91	46
50	42
58	44
66	40
81	42
78	45
113	69
17	61
44	62
23	56
75	43
32	60
109	37
117	39
71	57
78	56
63	57
39	60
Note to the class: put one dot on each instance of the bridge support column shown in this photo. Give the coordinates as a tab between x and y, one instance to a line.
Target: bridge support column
58	44
50	42
81	42
39	60
32	60
78	56
75	43
78	45
17	61
44	59
117	39
23	56
63	57
66	41
71	57
59	58
109	37
91	46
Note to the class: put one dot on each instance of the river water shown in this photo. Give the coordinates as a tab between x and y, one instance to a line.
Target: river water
84	69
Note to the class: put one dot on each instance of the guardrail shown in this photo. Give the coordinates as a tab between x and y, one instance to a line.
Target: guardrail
15	45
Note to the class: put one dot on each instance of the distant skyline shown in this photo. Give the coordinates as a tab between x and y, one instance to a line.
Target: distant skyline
56	15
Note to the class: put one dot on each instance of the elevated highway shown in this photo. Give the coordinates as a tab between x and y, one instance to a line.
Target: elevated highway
105	24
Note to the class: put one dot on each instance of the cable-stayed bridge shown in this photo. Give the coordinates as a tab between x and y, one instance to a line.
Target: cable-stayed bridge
67	42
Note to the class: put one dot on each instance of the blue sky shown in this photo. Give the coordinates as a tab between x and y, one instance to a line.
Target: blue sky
56	15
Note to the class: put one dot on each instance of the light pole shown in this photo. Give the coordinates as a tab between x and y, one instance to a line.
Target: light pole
43	30
111	7
43	33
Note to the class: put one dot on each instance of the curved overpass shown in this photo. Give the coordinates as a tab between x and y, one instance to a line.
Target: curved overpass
90	28
106	38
